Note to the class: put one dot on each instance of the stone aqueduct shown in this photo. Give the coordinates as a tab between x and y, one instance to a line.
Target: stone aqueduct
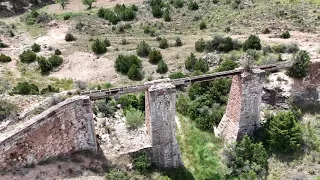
68	126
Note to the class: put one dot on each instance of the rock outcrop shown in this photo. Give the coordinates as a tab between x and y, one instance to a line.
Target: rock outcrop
13	7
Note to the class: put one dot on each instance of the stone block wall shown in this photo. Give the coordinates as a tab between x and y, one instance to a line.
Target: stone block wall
243	109
64	128
161	110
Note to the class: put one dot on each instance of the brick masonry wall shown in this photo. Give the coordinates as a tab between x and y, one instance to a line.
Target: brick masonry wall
162	110
64	128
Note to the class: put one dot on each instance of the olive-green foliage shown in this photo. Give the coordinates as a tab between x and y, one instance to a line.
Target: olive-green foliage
155	56
124	13
193	5
28	56
44	64
250	160
106	106
49	89
88	3
222	44
99	47
163	43
285	35
4	58
162	67
31	17
166	15
143	49
123	63
55	60
134	118
117	175
6	109
131	100
69	37
301	64
178	3
176	75
57	52
63	3
253	42
283	133
164	178
178	42
200	45
134	73
194	64
108	15
107	42
226	65
36	48
156	11
25	88
203	25
66	17
142	163
3	45
285	48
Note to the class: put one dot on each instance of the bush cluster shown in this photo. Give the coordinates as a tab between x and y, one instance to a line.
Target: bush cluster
47	65
31	17
285	48
6	109
155	56
69	37
200	45
178	3
166	15
163	43
119	13
227	65
106	106
253	42
301	64
133	101
4	58
193	5
117	175
285	35
177	75
142	163
162	67
222	44
99	47
25	88
134	118
143	49
49	89
129	65
35	48
194	64
28	56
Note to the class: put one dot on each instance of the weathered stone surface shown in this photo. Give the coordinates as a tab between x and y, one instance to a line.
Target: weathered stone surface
63	128
161	126
243	110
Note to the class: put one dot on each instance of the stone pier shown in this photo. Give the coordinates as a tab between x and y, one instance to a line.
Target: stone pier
243	109
161	125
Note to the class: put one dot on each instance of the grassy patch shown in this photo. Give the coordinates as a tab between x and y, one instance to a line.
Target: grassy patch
200	151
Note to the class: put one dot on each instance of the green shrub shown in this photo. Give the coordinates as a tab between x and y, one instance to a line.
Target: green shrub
28	56
44	64
178	42
134	73
194	64
285	35
131	100
176	75
36	48
134	118
3	45
11	33
143	49
124	41
200	45
106	106
253	42
57	52
88	3
193	5
178	3
301	64
222	44
283	133
55	60
117	175
49	89
107	42
285	48
163	43
142	163
25	88
4	58
98	47
203	25
124	13
124	63
156	11
162	67
6	109
69	37
166	15
101	12
227	65
66	17
250	160
134	8
155	56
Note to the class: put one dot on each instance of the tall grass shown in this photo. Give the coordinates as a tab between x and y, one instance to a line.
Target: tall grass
201	151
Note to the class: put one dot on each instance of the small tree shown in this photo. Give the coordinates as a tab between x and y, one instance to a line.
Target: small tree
124	63
163	43
88	3
301	64
44	64
203	25
25	88
134	73
166	15
253	42
143	49
200	45
190	62
162	67
155	56
36	48
57	52
156	11
99	47
63	3
177	75
28	56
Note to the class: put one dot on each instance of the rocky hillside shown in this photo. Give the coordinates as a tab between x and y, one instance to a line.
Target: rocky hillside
13	7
